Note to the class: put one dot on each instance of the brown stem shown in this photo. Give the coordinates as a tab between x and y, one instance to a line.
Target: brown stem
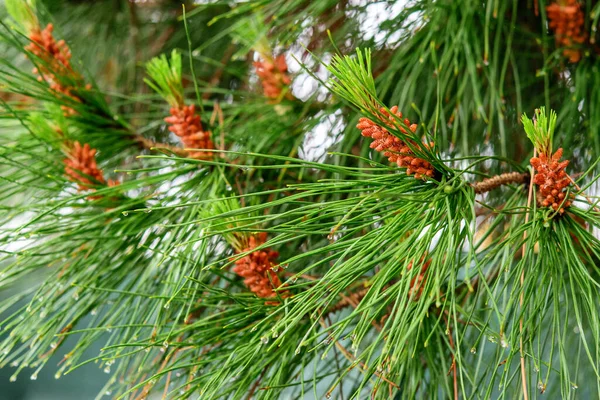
351	299
494	182
151	144
453	365
256	384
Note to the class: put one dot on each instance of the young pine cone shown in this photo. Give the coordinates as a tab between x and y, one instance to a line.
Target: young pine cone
393	147
567	20
185	123
256	268
552	180
273	76
81	168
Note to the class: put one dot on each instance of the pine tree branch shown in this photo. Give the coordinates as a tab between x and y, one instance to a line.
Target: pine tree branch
497	181
152	145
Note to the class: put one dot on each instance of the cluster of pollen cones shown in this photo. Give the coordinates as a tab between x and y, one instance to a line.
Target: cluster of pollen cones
394	148
552	180
185	123
257	267
81	168
567	20
56	57
273	76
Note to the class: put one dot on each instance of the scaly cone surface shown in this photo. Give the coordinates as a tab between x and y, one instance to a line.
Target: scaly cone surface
257	267
185	123
552	180
81	168
394	148
273	76
567	20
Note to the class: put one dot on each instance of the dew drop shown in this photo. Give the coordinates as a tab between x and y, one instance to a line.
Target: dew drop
473	350
166	344
167	305
75	296
503	343
574	387
53	345
13	378
125	213
57	375
33	377
94	311
108	393
264	340
228	188
254	328
107	369
148	211
328	395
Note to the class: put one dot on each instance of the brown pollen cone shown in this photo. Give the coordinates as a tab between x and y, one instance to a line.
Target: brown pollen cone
256	267
57	56
81	168
185	123
394	148
552	180
567	20
273	76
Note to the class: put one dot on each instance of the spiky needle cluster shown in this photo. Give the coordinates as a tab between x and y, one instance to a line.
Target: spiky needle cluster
394	148
273	76
256	267
567	20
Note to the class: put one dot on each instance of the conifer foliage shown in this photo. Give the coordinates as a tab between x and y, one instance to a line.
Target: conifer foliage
295	200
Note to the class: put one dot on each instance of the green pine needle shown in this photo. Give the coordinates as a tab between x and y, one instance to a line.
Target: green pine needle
540	130
354	80
165	77
22	11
